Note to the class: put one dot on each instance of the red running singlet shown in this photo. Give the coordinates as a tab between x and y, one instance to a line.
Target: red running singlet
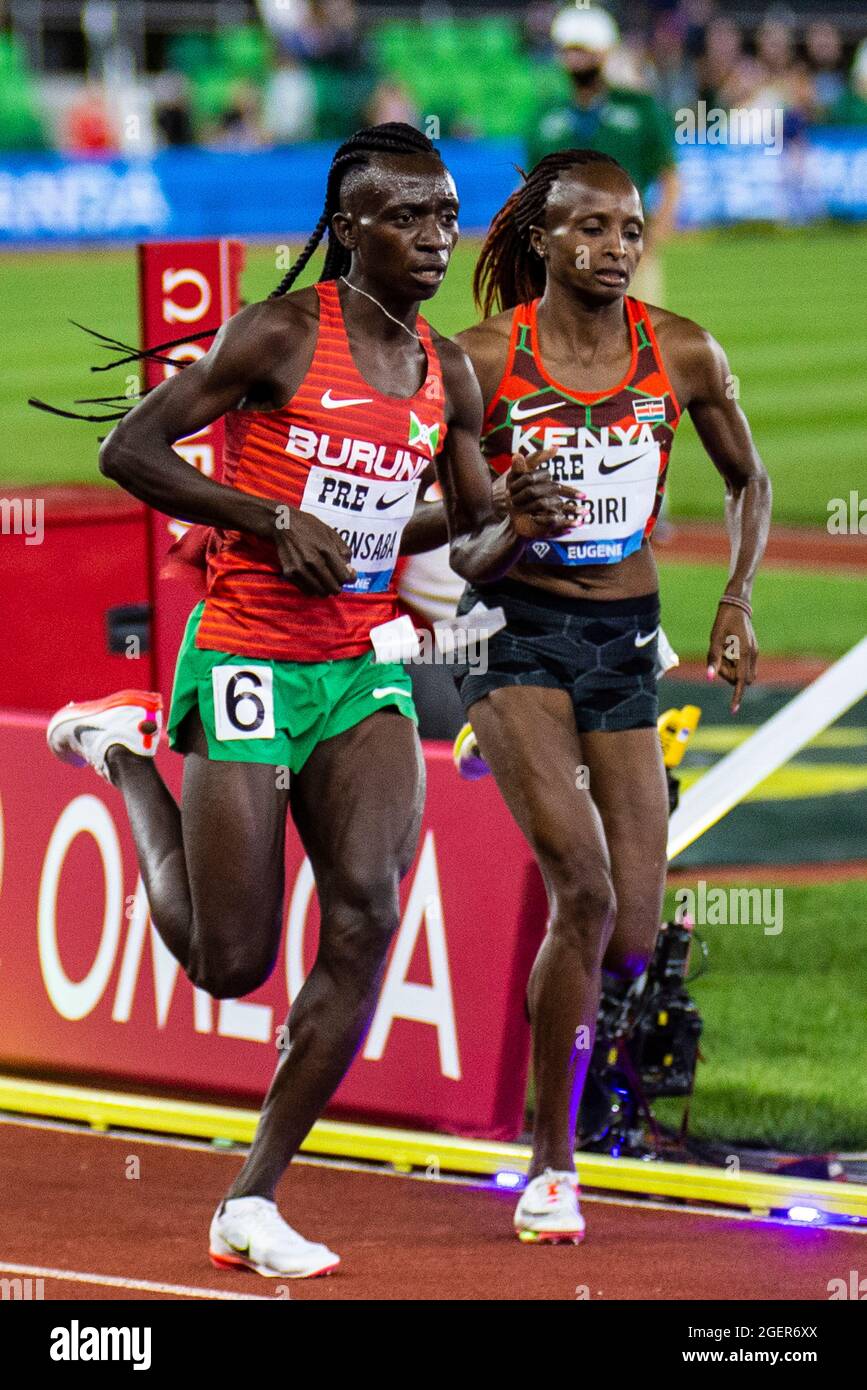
350	455
612	445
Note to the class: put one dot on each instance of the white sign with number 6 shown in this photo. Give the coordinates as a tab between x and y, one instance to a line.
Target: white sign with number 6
243	701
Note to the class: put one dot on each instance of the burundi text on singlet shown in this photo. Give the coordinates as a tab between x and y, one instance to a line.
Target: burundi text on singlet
349	455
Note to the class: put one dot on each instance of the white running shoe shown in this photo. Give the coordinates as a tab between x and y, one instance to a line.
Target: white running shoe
250	1233
549	1211
83	733
467	758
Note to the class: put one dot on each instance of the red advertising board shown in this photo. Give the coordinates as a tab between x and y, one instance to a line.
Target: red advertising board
185	287
88	991
70	601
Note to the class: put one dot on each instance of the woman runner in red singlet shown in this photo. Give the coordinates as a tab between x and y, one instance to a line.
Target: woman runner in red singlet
566	714
337	398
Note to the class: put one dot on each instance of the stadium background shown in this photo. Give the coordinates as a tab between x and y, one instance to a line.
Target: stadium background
770	256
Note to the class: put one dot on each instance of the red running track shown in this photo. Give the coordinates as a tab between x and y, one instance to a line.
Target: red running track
70	1207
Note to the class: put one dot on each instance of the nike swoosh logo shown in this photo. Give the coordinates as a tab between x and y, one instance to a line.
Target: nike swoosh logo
519	414
641	641
382	690
331	404
383	506
615	467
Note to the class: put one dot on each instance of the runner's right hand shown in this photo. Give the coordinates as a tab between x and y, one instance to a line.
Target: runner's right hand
538	506
312	555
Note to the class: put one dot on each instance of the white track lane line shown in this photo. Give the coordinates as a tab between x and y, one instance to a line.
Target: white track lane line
111	1281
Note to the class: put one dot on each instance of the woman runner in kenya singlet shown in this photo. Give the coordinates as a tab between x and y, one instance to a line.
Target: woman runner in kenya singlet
565	715
613	444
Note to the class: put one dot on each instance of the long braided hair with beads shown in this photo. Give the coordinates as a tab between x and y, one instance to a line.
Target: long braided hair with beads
508	271
392	137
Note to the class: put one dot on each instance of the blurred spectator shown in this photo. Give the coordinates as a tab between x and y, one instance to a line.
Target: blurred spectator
289	107
672	75
173	115
538	18
630	126
783	80
391	101
851	109
283	17
825	57
775	56
238	128
726	77
628	64
88	127
327	32
696	16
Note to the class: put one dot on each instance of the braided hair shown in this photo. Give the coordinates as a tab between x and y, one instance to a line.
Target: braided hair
508	272
392	137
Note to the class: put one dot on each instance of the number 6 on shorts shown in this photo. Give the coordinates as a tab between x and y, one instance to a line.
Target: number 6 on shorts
243	702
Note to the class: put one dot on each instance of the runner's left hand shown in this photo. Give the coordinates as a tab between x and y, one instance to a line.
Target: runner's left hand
539	506
733	651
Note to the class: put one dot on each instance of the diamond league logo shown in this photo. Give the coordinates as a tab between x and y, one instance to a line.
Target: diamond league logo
540	548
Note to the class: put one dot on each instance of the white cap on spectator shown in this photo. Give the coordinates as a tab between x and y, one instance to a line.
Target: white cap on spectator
578	27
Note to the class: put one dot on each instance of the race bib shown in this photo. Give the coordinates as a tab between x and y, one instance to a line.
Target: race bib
243	701
619	481
370	516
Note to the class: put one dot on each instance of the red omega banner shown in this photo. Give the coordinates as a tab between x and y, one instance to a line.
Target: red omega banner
88	993
185	287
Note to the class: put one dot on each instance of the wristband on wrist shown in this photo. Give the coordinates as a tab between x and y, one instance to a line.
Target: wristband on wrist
737	603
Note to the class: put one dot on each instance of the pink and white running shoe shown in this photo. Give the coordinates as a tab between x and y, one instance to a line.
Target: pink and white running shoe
548	1210
82	734
250	1233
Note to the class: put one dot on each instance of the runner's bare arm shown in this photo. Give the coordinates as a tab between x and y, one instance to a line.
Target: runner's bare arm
706	388
481	545
426	528
138	453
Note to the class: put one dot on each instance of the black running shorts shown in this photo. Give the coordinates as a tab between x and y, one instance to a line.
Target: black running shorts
602	652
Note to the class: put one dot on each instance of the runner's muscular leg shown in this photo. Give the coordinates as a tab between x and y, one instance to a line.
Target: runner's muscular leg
213	868
357	805
634	811
528	737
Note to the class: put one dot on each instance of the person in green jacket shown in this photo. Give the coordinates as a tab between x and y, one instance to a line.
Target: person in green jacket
626	124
